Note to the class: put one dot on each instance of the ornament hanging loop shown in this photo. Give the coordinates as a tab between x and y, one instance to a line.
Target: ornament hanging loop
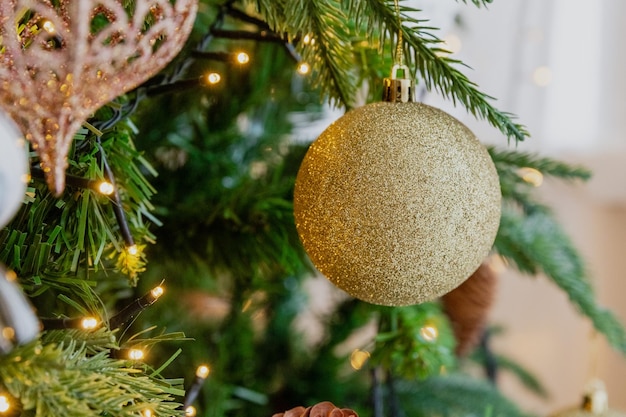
398	90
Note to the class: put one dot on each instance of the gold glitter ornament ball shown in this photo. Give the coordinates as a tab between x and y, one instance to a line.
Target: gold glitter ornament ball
397	203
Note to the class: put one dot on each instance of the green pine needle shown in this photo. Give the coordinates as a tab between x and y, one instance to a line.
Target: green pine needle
455	396
337	26
536	243
53	379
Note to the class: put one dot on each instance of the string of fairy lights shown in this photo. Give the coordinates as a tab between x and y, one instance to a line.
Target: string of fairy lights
174	82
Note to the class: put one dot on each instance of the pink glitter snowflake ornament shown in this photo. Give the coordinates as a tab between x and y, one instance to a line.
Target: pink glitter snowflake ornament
59	64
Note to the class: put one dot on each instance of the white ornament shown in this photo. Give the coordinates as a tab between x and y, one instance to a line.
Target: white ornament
13	169
18	322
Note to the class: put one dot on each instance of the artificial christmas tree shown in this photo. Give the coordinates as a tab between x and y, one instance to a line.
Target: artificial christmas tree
220	231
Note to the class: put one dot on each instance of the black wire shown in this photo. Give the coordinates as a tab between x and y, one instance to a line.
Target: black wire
118	210
168	83
490	363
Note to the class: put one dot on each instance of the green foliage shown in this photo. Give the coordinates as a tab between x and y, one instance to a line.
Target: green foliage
376	22
533	241
414	342
536	243
50	380
479	3
51	240
455	396
227	165
519	192
527	379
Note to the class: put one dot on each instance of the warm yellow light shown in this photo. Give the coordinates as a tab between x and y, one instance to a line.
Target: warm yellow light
429	333
542	76
243	58
89	323
531	176
135	354
358	358
213	78
48	26
147	413
8	333
132	250
190	411
304	68
308	39
453	43
5	405
106	188
157	292
202	371
10	275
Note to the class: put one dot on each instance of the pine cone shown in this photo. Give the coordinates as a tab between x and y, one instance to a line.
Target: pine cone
323	409
468	305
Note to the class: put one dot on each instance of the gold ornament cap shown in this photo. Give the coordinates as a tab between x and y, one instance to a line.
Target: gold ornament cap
595	403
596	400
398	90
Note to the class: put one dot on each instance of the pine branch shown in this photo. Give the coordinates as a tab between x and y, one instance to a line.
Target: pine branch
330	23
527	379
50	240
503	363
511	159
53	379
455	396
532	240
330	53
478	3
424	53
517	190
401	347
535	243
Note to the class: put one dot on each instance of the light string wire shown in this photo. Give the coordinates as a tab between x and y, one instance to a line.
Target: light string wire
399	55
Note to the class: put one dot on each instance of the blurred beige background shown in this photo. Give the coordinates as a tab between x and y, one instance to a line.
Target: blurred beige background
560	65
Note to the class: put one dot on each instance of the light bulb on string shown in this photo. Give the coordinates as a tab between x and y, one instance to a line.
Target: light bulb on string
105	188
203	371
242	58
429	333
136	354
5	405
131	311
303	68
89	323
84	323
212	78
157	292
132	250
191	411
